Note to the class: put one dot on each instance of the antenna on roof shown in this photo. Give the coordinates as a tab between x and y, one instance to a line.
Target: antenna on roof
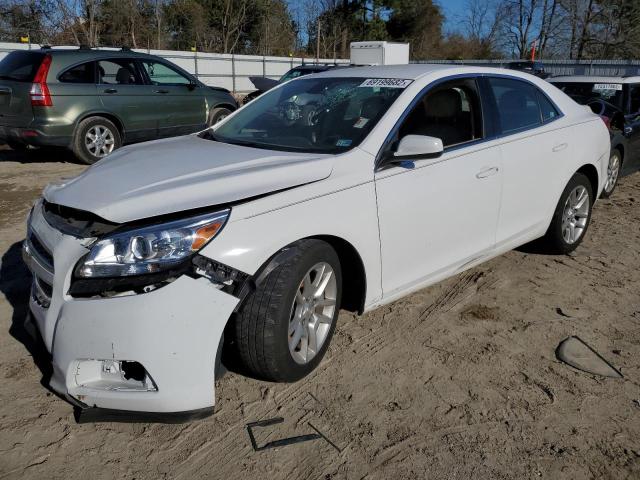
45	47
84	46
125	49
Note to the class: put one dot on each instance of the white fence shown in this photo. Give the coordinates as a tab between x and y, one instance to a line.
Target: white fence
219	69
233	71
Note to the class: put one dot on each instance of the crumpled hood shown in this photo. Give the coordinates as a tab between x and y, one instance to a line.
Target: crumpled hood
183	173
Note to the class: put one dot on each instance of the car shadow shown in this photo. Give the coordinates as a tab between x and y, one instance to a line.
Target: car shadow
15	284
36	155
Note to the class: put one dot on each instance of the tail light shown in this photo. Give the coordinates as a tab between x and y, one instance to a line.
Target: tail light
40	96
606	120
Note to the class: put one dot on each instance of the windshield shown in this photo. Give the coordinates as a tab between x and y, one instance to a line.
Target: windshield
20	66
323	115
295	73
585	92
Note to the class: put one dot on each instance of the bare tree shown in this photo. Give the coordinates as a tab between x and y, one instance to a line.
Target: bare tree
235	12
520	17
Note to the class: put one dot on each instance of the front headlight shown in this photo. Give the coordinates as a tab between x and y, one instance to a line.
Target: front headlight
152	249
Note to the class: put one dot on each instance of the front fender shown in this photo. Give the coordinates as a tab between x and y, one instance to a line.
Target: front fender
246	244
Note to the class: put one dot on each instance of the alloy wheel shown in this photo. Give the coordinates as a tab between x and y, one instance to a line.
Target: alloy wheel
613	170
575	214
99	141
312	312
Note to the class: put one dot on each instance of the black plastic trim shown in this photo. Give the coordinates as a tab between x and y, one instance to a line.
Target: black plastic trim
96	414
89	287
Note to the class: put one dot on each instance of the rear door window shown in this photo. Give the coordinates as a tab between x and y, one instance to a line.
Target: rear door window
586	92
83	73
118	71
20	66
517	104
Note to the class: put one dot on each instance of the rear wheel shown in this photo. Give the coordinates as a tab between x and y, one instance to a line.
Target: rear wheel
95	138
218	114
571	218
613	172
285	326
17	146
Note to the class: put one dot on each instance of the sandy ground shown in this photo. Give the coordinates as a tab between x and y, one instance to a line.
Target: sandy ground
459	380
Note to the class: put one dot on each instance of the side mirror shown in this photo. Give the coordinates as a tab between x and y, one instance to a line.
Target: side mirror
417	147
192	85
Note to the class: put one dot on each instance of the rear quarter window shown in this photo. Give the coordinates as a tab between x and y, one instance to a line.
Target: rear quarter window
20	66
83	73
547	109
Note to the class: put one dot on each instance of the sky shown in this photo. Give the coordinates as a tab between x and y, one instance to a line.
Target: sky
452	9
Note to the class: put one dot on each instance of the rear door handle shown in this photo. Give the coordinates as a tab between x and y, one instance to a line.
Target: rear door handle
161	91
110	90
560	147
487	172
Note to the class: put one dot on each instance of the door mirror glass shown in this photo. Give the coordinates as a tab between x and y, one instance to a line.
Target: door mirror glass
418	146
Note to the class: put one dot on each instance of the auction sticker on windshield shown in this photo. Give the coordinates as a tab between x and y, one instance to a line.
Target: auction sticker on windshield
386	82
607	86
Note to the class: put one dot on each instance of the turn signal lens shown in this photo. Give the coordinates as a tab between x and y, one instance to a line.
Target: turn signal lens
204	234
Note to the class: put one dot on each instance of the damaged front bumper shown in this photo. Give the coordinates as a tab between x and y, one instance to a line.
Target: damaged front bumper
170	335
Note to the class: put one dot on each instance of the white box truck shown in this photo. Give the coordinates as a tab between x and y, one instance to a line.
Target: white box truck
379	53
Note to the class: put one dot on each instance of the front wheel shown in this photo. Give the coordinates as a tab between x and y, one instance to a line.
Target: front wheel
284	327
571	218
613	172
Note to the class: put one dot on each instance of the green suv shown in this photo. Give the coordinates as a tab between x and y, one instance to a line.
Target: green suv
94	101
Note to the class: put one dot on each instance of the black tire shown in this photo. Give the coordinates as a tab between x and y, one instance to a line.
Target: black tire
554	241
262	324
80	149
17	146
218	114
609	188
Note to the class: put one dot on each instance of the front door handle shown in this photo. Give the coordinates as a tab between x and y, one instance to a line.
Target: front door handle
161	91
110	90
487	172
560	147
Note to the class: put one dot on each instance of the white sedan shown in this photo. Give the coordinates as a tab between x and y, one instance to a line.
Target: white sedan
348	189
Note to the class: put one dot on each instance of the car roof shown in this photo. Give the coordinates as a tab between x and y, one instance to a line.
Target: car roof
594	79
318	68
86	52
414	71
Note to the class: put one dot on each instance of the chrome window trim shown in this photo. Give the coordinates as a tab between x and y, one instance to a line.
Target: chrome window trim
484	139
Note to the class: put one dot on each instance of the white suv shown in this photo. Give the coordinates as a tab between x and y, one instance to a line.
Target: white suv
255	233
